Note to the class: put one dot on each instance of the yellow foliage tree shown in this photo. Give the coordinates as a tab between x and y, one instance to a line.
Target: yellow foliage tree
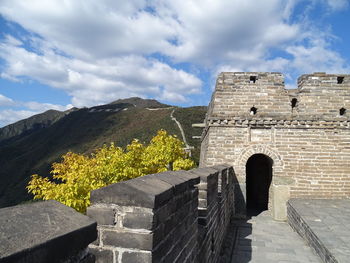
77	175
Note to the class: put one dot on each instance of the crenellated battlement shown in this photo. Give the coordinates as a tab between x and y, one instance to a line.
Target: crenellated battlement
324	79
250	78
263	95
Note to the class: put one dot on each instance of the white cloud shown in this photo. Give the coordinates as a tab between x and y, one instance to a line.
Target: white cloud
216	31
101	81
337	5
18	110
5	101
41	107
96	60
98	51
12	41
90	29
9	116
187	30
22	110
316	58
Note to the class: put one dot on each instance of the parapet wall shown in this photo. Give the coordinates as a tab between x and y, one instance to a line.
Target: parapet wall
323	95
236	93
168	217
178	216
318	96
44	232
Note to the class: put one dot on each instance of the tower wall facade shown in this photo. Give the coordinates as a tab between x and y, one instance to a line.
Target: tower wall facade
305	131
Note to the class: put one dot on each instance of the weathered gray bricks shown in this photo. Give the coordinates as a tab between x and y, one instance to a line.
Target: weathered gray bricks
166	217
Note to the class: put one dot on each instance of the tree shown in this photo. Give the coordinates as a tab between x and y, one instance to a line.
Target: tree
77	175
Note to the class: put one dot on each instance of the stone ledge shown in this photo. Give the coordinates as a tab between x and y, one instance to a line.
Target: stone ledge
149	191
277	123
142	191
44	232
323	224
205	173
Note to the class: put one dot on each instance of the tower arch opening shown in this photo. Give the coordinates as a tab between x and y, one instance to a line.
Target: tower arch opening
258	181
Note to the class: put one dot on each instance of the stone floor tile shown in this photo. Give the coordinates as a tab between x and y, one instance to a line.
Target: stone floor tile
260	239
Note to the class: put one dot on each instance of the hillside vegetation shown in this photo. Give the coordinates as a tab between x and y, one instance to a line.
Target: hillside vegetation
31	124
82	131
77	174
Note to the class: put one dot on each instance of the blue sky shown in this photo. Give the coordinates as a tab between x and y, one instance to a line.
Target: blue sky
58	54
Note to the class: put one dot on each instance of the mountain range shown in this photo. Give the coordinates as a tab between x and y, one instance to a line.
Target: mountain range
31	145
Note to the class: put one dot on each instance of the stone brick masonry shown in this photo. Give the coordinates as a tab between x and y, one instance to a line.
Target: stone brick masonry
305	131
168	217
180	216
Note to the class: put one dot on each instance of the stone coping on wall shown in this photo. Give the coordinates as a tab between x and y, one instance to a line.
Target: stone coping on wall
174	216
320	78
323	224
306	123
45	231
287	122
149	191
243	78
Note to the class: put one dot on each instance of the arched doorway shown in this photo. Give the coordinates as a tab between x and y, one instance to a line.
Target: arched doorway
258	181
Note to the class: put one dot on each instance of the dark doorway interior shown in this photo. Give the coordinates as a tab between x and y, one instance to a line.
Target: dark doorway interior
258	180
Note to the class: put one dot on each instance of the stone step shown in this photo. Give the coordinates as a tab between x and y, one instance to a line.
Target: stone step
323	225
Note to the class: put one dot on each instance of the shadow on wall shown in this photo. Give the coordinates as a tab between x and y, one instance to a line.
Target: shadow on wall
242	243
237	244
251	199
180	216
240	206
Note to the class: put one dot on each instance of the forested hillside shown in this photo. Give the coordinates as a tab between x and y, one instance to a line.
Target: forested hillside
82	130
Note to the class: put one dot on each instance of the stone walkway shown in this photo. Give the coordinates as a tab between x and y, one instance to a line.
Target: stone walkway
261	239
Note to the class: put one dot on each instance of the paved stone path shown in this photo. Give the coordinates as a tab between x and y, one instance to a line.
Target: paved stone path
261	239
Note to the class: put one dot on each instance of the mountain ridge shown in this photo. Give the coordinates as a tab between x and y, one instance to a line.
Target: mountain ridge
82	131
34	122
47	118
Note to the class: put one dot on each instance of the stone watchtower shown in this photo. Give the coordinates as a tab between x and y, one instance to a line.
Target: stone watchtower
282	143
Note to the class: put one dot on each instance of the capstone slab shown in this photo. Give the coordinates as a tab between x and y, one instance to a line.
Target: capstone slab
43	232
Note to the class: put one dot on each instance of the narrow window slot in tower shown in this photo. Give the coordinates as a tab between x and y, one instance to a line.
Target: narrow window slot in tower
340	80
253	110
252	79
342	111
294	102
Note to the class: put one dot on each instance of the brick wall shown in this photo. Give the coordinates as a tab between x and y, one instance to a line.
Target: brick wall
316	158
167	217
309	143
235	94
318	95
323	94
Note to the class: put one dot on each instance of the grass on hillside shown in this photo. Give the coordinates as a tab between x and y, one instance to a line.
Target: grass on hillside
187	117
80	132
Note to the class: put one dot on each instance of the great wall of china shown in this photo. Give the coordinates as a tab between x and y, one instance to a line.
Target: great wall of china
264	147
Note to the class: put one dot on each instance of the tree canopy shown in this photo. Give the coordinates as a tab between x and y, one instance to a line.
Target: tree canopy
77	175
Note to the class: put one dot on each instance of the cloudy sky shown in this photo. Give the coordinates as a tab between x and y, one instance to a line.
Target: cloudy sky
55	54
